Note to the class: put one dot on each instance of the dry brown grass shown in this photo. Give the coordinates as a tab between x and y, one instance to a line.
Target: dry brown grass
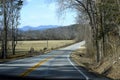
23	48
80	57
39	45
106	66
115	71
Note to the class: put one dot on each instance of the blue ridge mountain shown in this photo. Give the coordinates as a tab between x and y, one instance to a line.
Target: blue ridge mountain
42	27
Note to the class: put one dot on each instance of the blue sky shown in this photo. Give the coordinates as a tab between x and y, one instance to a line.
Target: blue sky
38	12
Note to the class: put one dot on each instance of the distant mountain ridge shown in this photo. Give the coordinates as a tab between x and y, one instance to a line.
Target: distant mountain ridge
42	27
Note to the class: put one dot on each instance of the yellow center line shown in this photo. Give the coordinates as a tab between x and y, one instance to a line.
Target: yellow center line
29	70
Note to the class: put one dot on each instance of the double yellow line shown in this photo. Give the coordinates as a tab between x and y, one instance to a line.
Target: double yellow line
29	70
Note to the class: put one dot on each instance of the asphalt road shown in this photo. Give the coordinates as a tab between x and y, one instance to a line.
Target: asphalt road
54	65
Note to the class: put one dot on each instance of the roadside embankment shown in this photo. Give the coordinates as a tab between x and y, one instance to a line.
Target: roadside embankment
105	67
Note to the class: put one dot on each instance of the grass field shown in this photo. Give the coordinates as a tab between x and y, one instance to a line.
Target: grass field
23	48
40	45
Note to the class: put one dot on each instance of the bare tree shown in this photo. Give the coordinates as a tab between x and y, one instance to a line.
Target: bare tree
15	15
89	8
103	16
7	18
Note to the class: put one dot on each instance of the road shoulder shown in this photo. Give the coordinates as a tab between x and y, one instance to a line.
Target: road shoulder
80	58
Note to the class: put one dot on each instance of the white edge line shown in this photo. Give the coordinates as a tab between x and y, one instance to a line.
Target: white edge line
87	78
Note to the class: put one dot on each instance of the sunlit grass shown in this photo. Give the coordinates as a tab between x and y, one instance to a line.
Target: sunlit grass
40	45
23	47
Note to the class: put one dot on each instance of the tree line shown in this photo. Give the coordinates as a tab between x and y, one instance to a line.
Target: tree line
101	19
61	33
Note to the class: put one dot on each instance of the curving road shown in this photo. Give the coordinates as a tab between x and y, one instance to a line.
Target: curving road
54	65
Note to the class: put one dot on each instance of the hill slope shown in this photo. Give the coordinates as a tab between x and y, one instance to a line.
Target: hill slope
42	27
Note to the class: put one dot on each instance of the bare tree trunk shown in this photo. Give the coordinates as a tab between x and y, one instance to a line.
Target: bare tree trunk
4	49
